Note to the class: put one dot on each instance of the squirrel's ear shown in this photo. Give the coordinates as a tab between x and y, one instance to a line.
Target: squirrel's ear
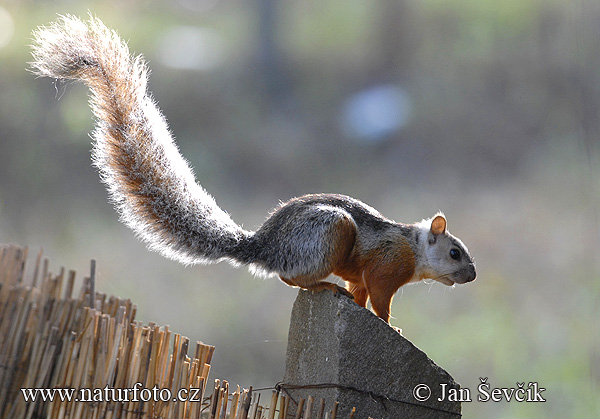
438	224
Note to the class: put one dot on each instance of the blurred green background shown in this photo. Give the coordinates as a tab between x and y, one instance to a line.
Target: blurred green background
486	110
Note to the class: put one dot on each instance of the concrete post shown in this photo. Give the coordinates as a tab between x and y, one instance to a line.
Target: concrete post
340	351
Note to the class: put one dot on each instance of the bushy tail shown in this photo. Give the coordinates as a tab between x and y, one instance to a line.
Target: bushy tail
151	185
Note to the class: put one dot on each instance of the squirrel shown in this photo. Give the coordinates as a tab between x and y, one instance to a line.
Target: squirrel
154	190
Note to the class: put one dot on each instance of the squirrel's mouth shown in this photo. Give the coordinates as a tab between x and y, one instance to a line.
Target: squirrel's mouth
462	276
445	280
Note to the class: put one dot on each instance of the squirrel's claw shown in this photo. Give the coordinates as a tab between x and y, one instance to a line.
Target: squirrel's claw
397	329
335	288
341	290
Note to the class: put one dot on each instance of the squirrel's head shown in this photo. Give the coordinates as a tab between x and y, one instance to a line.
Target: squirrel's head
446	258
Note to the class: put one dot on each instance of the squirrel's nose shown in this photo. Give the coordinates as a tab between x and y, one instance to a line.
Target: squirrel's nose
472	273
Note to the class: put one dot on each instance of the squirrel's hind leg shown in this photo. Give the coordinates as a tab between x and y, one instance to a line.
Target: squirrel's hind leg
318	286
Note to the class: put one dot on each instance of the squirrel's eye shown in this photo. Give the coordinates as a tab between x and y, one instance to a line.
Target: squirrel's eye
455	254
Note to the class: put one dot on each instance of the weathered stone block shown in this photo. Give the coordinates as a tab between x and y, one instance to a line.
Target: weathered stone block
340	351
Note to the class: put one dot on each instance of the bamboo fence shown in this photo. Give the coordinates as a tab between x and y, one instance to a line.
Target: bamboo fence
86	357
